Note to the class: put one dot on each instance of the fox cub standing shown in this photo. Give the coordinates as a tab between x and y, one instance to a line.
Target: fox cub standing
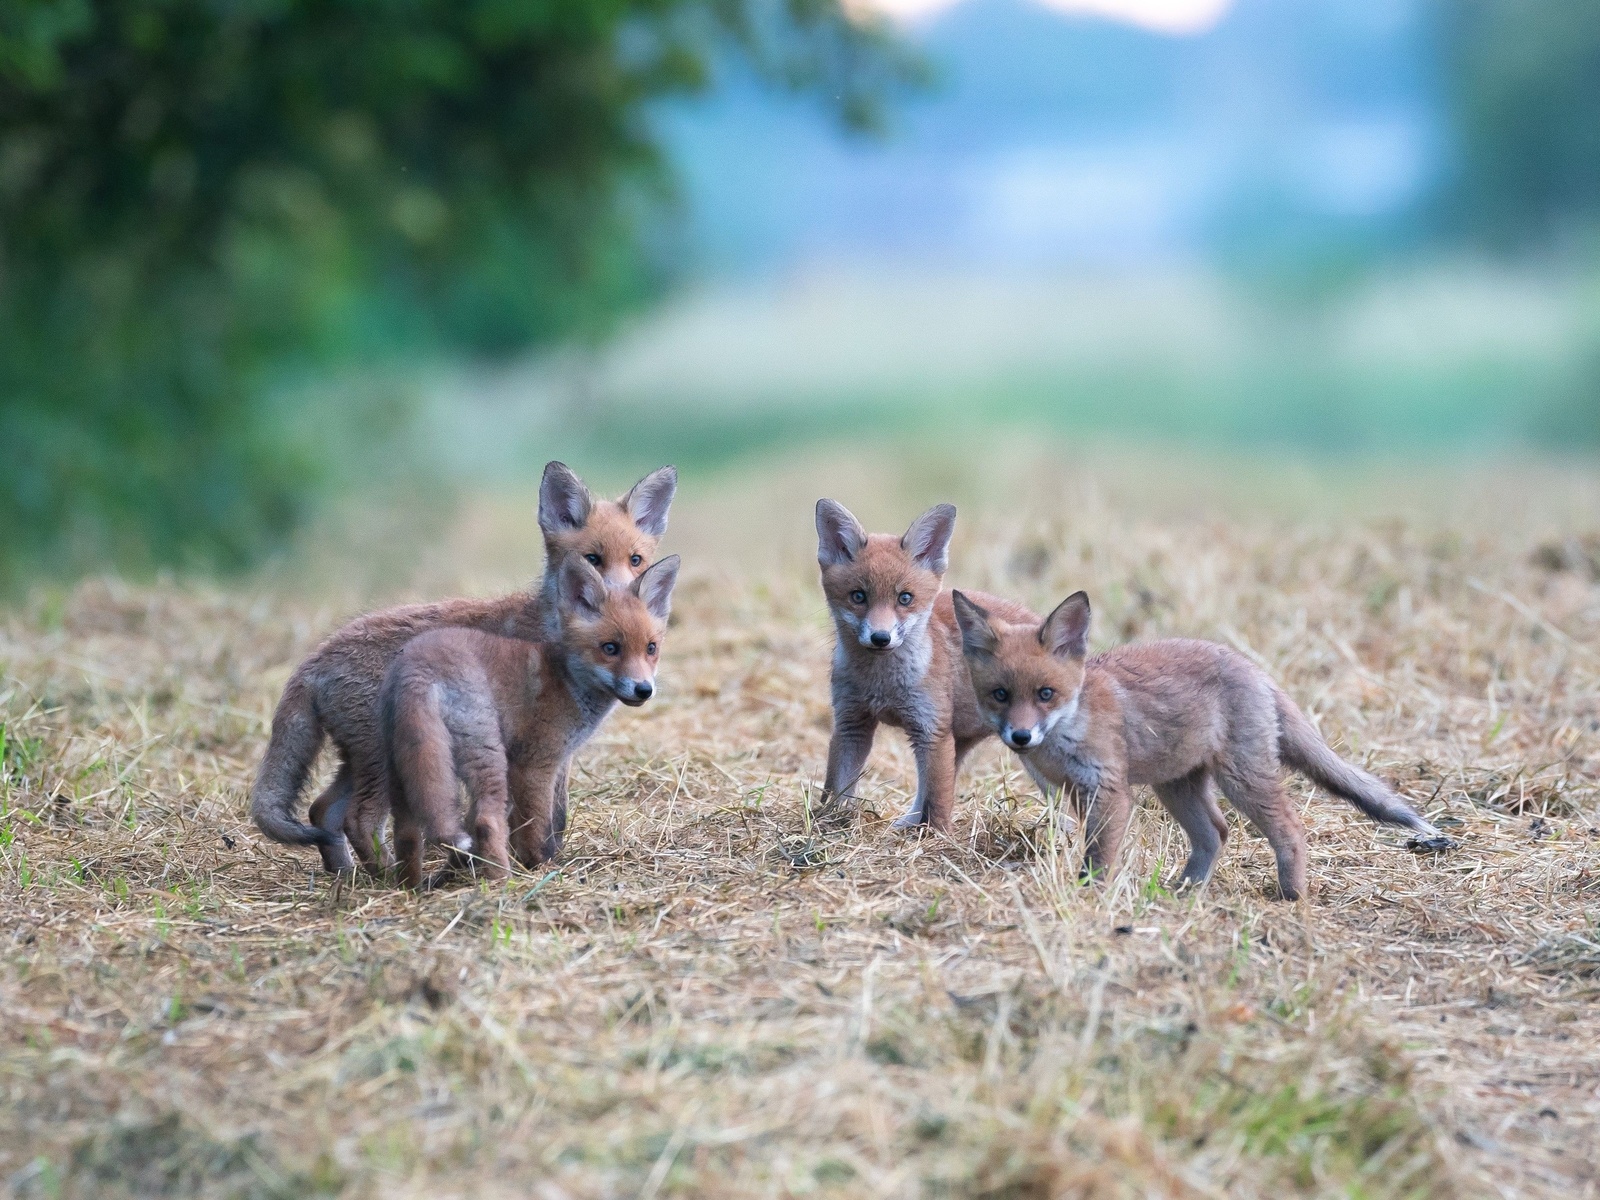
334	692
1178	715
506	715
898	658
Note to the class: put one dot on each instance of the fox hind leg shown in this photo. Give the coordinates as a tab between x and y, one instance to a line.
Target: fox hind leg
483	770
937	769
328	812
558	816
425	804
363	822
1193	804
1259	795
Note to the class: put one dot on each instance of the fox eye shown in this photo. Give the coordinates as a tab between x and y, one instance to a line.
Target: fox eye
906	598
635	560
1046	692
611	648
593	558
1001	695
650	649
858	596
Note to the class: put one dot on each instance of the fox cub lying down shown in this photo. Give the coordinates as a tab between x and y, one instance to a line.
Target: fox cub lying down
506	715
1186	717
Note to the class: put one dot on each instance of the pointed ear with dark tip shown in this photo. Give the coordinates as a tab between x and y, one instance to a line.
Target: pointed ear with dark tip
977	635
648	500
564	502
928	539
839	535
654	586
579	588
1065	632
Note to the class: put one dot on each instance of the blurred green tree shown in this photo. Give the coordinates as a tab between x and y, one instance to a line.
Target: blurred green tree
1524	83
198	195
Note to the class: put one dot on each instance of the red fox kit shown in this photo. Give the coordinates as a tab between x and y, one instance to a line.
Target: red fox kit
1185	717
505	716
335	691
898	656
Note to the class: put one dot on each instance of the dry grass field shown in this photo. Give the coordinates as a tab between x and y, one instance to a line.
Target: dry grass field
711	995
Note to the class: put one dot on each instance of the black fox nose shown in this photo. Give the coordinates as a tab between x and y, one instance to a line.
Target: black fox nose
1021	737
880	637
644	689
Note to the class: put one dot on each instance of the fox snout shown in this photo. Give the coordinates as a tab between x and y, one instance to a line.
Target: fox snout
881	629
881	639
634	692
1021	739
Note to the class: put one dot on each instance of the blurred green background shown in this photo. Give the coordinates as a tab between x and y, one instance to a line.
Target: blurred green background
258	256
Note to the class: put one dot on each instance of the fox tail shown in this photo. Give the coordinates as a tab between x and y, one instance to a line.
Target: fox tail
291	751
1301	747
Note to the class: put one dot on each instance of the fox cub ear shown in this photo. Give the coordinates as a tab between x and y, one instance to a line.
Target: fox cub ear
839	535
928	539
579	588
648	500
977	635
654	586
564	502
1065	632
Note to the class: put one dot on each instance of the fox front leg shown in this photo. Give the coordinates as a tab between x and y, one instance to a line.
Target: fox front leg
533	801
847	753
936	784
1105	821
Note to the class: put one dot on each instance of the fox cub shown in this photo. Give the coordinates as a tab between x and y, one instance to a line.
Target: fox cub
898	657
1186	717
505	715
334	692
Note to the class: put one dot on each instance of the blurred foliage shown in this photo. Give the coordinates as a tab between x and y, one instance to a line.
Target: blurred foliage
1524	86
199	198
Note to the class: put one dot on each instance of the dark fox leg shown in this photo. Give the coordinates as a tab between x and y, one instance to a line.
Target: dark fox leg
558	815
328	812
1194	807
847	755
1257	792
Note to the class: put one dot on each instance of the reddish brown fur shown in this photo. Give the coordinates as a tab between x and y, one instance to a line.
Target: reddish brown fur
916	680
1184	717
505	716
335	690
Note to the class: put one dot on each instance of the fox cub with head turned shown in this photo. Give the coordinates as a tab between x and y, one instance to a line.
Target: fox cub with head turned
898	657
334	692
505	716
1186	717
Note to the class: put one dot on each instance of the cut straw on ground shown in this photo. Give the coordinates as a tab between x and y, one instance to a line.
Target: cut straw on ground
719	992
